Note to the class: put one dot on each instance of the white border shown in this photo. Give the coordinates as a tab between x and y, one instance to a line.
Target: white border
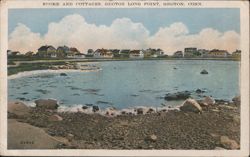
244	81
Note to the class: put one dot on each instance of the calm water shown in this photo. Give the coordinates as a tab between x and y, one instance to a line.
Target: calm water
125	84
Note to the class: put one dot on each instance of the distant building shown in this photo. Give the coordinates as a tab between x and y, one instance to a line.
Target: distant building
72	52
178	54
90	53
203	52
46	51
79	55
159	53
236	54
124	53
62	51
29	54
13	53
115	52
103	53
218	53
136	54
9	52
191	52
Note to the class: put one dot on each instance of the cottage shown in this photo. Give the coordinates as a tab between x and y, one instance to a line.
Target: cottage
218	53
149	52
46	51
136	54
178	54
72	52
90	53
13	53
79	55
191	52
203	52
29	54
62	51
9	52
124	53
236	54
103	53
115	52
158	53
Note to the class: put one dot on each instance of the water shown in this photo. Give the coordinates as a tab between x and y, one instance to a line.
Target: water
124	84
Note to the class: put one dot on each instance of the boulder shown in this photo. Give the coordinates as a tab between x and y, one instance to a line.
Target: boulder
63	74
151	138
95	108
191	105
199	91
150	110
208	101
47	104
228	143
204	71
84	107
236	100
178	96
139	111
55	118
70	136
18	108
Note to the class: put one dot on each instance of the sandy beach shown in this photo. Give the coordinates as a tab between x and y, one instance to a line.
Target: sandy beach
216	127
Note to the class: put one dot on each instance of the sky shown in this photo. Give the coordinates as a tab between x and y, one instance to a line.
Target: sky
168	29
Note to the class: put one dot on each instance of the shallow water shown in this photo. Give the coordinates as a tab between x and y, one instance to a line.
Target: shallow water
124	84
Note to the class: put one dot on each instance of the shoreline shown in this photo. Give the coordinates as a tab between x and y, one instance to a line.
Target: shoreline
49	71
20	66
214	126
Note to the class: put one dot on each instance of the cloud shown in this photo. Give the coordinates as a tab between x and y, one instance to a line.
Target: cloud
23	39
123	33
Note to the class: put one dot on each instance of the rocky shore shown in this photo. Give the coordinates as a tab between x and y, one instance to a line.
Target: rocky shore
205	124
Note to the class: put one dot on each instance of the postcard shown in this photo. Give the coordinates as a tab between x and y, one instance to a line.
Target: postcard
124	78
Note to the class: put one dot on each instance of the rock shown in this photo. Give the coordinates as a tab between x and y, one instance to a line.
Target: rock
63	74
236	119
95	108
178	96
215	110
47	104
84	107
70	137
139	111
18	108
110	111
150	110
199	91
55	118
191	105
54	68
236	100
152	138
208	101
204	71
228	143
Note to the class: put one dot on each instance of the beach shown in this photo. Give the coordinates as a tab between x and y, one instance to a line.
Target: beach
215	126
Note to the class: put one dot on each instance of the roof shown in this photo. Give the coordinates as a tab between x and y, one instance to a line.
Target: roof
73	49
125	51
45	48
65	48
103	51
135	52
